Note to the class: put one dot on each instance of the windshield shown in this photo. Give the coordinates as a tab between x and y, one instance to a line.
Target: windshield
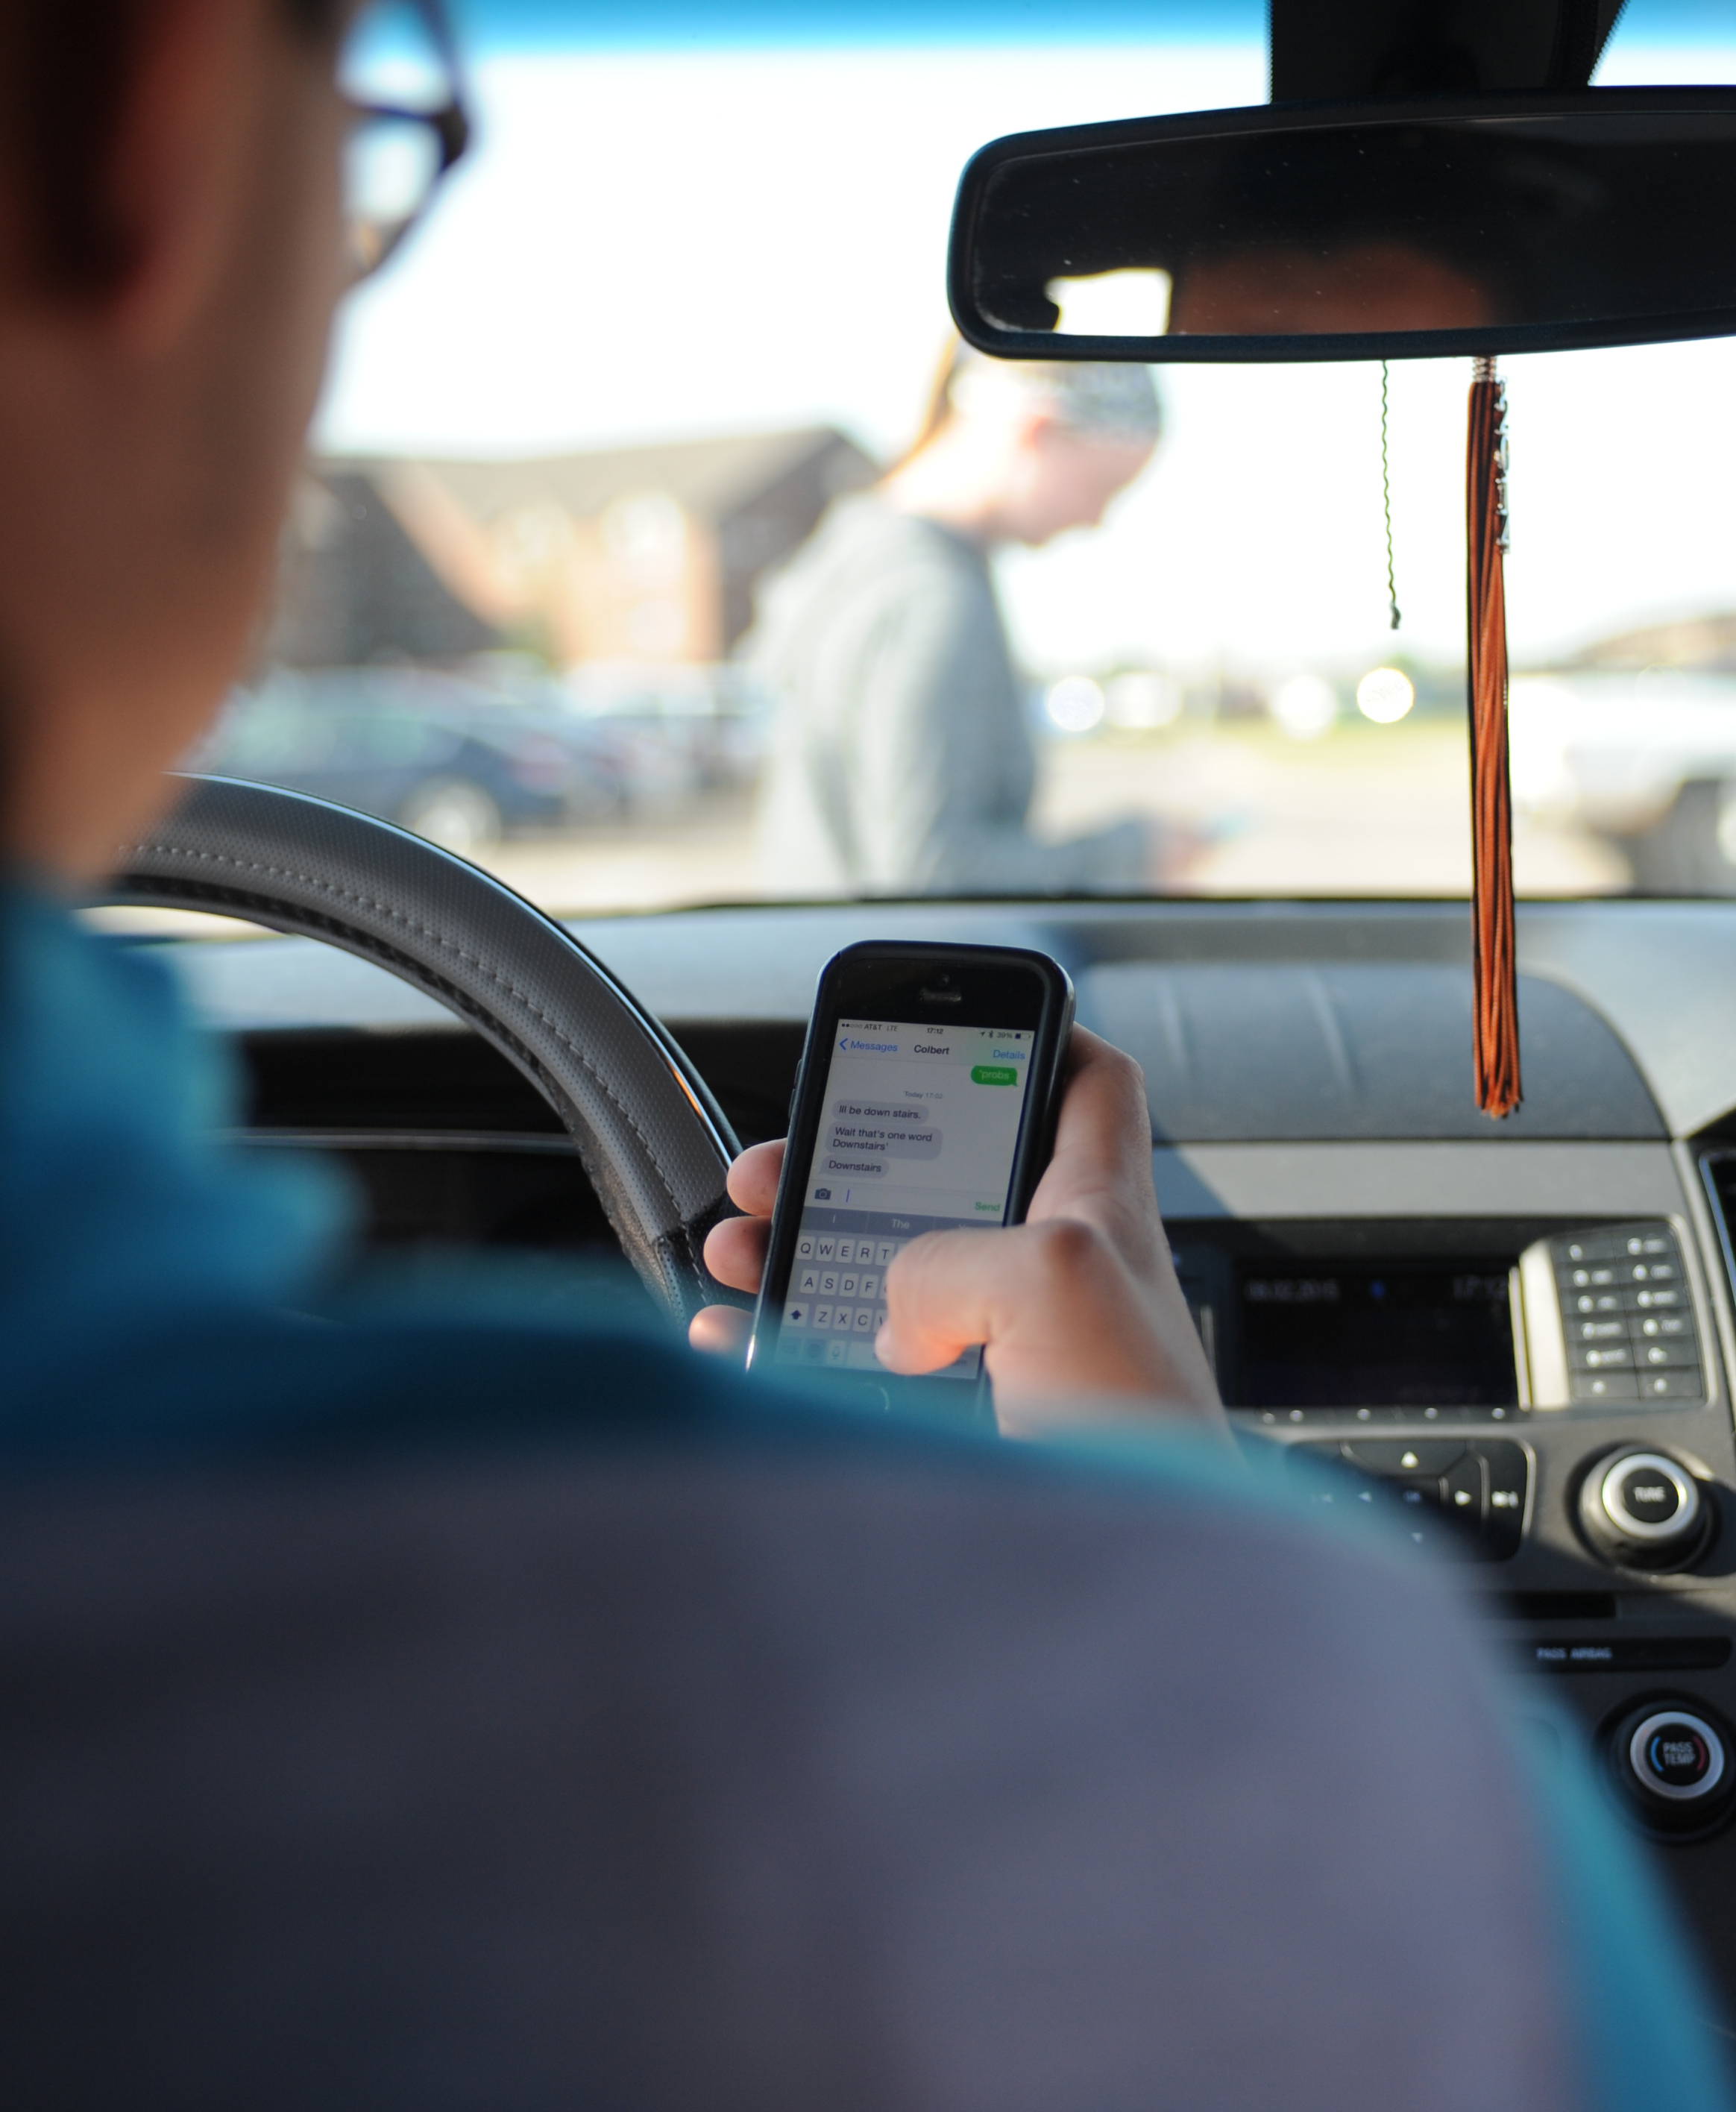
614	567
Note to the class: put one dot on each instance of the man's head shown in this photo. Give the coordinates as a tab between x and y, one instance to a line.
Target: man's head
1035	447
170	253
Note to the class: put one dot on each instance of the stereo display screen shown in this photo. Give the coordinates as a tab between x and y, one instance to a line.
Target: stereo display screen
1410	1334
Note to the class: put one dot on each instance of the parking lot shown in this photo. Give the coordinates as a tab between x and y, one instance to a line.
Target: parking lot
1382	811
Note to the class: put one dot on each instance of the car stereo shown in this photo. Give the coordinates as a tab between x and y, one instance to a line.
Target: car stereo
1571	1320
1539	1399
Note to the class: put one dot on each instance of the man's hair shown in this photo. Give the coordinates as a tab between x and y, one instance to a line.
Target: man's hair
65	64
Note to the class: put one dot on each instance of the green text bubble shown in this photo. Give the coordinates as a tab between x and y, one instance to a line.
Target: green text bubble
994	1074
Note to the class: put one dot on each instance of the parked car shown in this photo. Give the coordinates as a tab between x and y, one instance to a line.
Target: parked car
1645	757
681	730
460	764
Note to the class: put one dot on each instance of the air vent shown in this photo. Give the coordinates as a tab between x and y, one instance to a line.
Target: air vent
1555	1605
1718	1171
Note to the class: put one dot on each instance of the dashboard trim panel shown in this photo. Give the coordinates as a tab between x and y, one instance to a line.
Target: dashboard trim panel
1417	1180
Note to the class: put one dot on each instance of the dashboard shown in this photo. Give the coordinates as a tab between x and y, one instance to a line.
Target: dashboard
1516	1339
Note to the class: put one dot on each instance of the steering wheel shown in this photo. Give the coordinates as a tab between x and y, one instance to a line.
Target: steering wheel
652	1139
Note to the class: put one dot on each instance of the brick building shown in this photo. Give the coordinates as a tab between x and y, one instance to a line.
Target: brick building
646	555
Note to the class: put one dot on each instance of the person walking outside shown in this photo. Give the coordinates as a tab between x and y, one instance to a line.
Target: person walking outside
902	757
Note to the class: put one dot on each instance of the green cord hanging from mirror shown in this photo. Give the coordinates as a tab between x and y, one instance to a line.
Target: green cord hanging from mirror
1386	501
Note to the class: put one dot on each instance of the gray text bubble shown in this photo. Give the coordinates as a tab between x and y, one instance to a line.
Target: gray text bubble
875	1131
883	1140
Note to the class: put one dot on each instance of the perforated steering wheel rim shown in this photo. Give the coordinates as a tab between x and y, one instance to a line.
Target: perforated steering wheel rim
651	1137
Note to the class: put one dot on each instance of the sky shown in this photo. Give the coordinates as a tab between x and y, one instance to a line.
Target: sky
506	24
652	244
535	25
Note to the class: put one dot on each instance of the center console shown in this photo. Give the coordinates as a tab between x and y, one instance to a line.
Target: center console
1604	1317
1542	1403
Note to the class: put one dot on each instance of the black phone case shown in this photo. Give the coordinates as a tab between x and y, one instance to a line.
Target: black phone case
1031	1154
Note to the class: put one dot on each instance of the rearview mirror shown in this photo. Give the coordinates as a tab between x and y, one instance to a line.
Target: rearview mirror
1392	230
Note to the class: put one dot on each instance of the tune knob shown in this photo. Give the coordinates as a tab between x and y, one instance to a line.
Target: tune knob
1644	1509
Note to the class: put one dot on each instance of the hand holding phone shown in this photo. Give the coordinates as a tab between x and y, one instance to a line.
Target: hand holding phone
924	1103
1079	1310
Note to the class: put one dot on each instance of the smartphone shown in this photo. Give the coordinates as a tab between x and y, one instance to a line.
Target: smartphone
926	1099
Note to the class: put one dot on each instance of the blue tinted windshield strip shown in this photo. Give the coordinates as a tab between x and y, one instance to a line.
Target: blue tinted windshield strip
495	25
1646	22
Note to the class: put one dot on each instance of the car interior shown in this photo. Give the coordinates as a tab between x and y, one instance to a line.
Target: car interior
1515	1337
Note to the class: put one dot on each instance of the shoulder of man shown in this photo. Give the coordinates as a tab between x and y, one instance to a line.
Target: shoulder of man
1055	1755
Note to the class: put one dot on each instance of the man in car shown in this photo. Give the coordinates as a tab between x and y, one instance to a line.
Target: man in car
902	760
417	1703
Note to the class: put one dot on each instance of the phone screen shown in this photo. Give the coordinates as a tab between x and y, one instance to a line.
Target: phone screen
919	1132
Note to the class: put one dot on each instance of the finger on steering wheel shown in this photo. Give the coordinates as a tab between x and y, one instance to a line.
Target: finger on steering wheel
753	1178
721	1331
735	1251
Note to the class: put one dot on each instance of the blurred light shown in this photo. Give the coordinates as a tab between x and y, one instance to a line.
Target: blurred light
1541	720
1132	303
1385	694
1144	701
1075	703
1306	706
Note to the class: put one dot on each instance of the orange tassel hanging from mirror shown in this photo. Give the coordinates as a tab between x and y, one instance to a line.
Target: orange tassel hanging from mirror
1494	954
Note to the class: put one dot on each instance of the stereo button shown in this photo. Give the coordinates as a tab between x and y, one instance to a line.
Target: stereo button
1504	1517
1645	1494
1644	1509
1603	1385
1671	1761
1461	1492
1676	1756
1602	1356
1653	1355
1672	1385
1404	1455
1601	1331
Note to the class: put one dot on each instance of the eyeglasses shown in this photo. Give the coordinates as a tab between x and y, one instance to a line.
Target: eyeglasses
401	76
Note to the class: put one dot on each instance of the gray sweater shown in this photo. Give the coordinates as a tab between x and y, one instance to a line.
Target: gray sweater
903	760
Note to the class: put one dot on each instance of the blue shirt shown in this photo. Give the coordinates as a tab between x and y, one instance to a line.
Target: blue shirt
164	1295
